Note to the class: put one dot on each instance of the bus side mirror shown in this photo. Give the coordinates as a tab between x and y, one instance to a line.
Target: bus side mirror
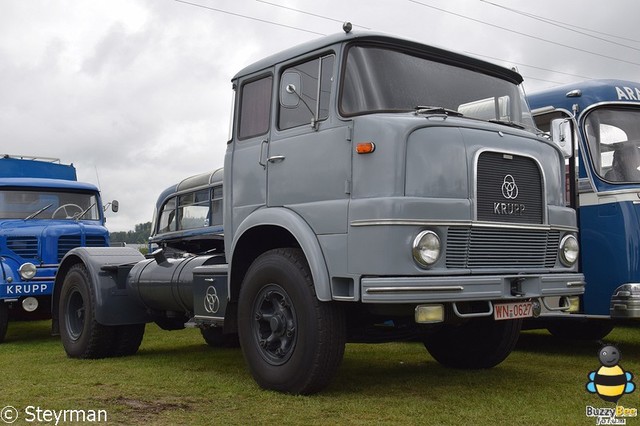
114	206
562	135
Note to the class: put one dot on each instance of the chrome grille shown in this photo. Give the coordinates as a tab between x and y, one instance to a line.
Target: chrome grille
501	248
25	247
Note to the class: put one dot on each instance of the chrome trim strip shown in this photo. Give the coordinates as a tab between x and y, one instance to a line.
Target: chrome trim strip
576	284
434	223
414	289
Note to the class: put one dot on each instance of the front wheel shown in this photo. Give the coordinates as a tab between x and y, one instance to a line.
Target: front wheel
576	329
291	341
82	336
4	320
480	343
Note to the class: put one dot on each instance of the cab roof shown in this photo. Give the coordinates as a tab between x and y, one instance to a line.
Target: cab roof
435	53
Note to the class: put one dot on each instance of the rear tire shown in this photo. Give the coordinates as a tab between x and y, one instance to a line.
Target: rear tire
217	339
127	339
476	344
4	320
82	336
290	340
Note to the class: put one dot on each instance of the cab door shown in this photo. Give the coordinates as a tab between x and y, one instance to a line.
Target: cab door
309	161
245	160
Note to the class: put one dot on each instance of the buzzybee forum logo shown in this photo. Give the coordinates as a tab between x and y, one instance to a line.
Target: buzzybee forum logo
610	382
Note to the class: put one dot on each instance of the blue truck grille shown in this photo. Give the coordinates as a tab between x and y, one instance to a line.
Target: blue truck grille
67	242
25	247
501	248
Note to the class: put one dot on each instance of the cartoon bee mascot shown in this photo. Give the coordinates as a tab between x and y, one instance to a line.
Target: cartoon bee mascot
610	382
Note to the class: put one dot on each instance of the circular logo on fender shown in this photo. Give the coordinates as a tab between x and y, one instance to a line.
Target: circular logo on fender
211	300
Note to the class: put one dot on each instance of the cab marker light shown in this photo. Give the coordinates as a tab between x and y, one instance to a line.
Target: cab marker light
365	147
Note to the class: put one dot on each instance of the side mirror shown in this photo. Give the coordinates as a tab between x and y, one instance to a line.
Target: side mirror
115	206
562	135
290	87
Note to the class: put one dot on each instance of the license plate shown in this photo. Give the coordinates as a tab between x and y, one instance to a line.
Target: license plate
505	311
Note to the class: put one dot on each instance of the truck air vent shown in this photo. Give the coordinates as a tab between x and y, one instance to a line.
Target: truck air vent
509	189
66	243
25	247
478	248
95	241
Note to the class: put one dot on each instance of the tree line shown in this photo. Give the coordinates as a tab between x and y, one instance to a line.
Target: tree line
140	235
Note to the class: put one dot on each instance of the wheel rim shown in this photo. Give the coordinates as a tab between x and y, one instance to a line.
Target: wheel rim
274	325
75	314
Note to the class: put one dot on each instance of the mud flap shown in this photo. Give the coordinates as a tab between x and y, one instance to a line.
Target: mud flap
210	294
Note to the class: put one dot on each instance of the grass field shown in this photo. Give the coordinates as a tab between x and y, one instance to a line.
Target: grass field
176	379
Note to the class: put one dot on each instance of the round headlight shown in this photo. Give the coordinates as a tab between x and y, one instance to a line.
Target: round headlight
426	248
569	250
27	271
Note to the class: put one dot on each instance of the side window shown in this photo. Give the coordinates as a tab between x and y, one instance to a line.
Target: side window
167	220
193	209
216	206
255	108
305	94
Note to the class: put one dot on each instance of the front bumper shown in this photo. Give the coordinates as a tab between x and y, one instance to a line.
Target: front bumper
470	288
625	302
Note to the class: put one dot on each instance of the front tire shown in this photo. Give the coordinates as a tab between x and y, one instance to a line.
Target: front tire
476	344
82	336
591	329
290	340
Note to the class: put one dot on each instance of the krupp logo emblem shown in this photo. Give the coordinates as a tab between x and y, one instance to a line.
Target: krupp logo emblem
211	300
509	188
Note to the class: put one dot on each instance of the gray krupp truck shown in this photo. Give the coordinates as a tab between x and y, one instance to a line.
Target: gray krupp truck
375	189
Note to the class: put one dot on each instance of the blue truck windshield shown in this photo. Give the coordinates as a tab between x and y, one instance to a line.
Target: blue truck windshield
44	204
613	134
379	79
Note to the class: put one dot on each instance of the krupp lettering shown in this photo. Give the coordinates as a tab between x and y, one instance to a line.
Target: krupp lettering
23	289
510	209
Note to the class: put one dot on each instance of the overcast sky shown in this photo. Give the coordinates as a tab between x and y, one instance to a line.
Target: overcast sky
136	93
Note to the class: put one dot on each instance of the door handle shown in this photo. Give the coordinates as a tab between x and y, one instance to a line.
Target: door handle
261	156
276	158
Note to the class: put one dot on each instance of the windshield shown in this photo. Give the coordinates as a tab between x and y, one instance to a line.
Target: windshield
379	79
613	134
44	204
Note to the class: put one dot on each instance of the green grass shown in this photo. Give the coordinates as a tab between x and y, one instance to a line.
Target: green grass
176	379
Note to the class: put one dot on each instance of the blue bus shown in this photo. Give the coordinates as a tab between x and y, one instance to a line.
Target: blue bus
598	122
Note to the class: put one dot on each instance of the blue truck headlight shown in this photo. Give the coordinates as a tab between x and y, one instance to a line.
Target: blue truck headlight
27	271
569	250
426	248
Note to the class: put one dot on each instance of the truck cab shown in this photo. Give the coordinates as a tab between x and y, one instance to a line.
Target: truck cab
599	123
44	213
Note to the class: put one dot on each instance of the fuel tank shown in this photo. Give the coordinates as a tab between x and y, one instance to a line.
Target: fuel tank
166	284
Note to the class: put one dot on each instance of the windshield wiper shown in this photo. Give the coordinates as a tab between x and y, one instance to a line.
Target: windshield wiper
84	212
437	110
32	215
507	123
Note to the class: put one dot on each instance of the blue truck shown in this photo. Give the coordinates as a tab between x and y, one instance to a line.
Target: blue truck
44	213
598	122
